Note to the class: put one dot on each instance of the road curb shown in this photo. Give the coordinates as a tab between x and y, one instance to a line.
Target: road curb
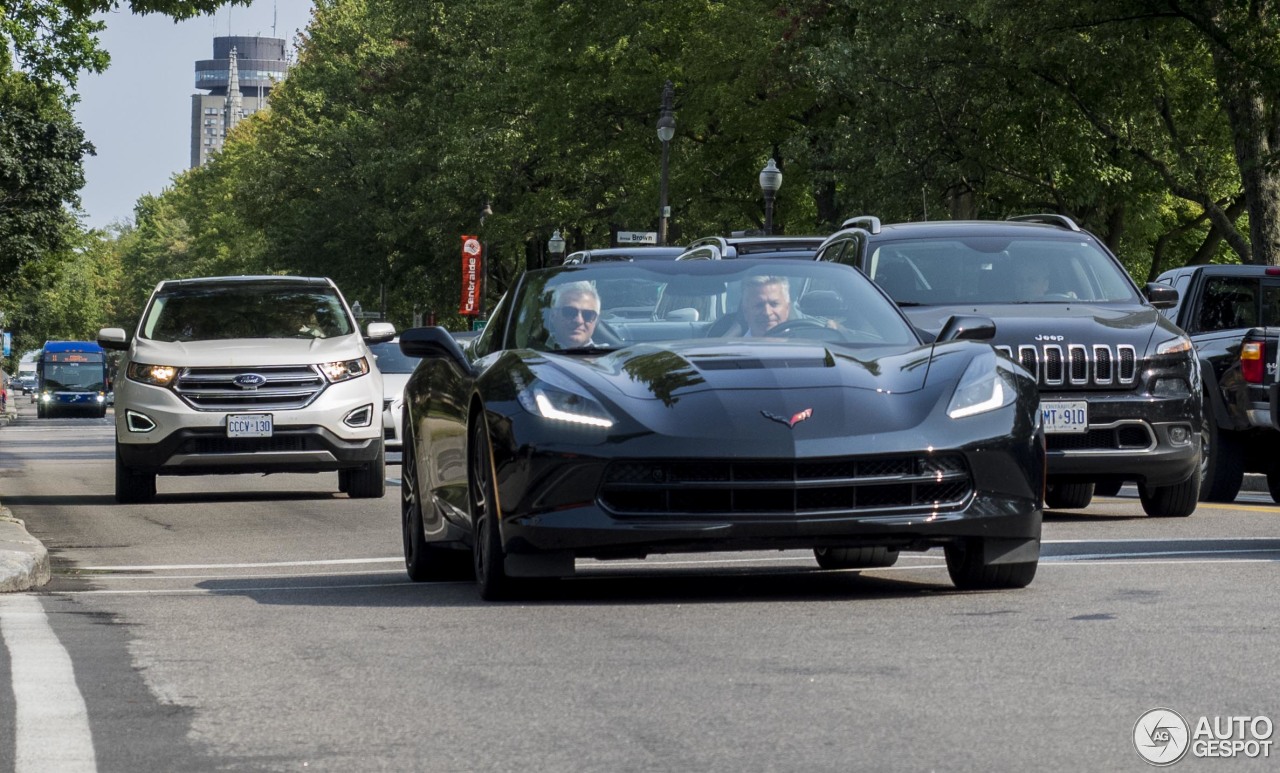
24	562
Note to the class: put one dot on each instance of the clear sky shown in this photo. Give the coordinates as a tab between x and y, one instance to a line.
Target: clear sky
138	113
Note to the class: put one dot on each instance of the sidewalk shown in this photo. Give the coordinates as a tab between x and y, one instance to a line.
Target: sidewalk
24	562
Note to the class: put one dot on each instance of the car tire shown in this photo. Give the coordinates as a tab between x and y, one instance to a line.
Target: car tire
422	560
344	481
1068	496
855	558
969	572
40	412
1221	464
1107	488
488	557
370	481
132	485
1176	501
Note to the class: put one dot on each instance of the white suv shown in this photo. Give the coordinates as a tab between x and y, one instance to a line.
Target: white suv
248	374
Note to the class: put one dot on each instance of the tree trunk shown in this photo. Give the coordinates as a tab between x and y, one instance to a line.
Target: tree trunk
1251	113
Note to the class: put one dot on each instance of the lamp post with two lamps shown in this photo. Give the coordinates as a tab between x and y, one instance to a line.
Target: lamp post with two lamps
770	182
666	130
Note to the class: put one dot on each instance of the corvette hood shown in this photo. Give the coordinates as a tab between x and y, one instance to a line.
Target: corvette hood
1052	323
652	373
244	352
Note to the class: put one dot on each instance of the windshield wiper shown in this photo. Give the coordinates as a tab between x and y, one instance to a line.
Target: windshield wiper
589	350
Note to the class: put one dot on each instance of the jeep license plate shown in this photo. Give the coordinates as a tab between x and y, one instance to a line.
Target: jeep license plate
1065	416
249	425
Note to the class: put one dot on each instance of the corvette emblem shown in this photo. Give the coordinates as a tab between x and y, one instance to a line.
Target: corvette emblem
794	420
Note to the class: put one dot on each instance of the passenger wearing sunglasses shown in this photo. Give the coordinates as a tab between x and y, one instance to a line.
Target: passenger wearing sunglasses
573	315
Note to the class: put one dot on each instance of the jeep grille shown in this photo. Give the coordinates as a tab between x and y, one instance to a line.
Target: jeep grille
1076	365
214	389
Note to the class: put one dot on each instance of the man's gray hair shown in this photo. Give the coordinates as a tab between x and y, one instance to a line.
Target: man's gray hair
765	281
573	289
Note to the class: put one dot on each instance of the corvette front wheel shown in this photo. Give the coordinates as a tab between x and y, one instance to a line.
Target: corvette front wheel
969	572
488	556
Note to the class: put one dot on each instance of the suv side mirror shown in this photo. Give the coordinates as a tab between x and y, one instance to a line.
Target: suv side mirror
380	332
113	338
961	327
1161	295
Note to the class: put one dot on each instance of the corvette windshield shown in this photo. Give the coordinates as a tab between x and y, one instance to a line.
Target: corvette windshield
592	307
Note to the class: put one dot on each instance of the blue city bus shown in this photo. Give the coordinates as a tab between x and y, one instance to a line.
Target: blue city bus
71	378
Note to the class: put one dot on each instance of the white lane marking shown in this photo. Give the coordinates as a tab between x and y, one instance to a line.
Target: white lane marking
165	567
52	723
1163	553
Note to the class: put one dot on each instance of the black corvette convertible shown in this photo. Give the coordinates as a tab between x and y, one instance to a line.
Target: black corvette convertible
752	405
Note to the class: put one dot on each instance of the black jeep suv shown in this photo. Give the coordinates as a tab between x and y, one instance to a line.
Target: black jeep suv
1119	383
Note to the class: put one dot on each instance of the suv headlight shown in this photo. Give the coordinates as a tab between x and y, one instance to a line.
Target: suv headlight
156	375
1174	346
985	386
344	371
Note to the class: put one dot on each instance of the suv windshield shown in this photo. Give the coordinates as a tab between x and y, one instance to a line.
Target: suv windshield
997	270
208	313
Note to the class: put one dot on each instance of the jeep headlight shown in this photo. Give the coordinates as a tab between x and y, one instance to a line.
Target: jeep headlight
345	370
984	387
1174	346
156	375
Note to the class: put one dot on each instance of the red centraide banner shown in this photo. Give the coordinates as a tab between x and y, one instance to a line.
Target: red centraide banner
472	276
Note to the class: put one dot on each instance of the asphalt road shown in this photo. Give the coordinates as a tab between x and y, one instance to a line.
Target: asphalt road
265	623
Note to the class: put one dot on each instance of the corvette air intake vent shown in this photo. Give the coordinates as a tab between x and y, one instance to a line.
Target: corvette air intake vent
770	488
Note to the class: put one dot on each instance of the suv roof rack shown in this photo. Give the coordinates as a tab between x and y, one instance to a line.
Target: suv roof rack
1048	218
871	222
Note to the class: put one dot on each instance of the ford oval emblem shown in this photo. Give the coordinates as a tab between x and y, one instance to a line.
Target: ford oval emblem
249	380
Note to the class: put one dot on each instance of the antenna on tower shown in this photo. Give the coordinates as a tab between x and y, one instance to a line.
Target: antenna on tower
274	9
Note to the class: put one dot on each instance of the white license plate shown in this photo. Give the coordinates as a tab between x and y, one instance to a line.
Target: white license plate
249	425
1065	416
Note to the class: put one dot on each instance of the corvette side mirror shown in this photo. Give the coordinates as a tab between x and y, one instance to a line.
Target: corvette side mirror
434	342
961	327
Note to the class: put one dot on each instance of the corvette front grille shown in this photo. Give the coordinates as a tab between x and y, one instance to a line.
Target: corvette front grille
214	389
812	487
1077	365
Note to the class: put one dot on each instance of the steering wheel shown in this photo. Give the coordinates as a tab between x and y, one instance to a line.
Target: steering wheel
801	323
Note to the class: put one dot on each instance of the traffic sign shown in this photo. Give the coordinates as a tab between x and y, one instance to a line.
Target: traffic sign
637	237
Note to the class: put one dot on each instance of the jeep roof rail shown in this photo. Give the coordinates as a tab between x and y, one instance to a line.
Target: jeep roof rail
1048	218
718	241
870	221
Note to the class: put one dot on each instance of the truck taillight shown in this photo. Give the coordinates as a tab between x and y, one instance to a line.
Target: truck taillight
1251	362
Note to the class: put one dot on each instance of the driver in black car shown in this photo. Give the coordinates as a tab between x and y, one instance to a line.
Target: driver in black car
766	303
1030	283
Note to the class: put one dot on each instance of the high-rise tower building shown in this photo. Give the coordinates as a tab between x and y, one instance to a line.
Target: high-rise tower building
239	79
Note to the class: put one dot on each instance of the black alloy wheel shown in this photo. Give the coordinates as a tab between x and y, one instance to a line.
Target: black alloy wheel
487	554
422	560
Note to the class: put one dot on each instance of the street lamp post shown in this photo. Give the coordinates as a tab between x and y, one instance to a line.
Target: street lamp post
666	130
555	246
770	182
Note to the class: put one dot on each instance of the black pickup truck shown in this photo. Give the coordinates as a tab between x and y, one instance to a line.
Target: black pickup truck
1232	314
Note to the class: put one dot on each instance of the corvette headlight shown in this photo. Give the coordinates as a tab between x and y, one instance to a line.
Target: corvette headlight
156	375
560	404
985	386
1174	346
343	371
